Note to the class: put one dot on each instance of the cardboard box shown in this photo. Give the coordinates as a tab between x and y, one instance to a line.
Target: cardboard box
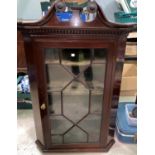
131	49
129	80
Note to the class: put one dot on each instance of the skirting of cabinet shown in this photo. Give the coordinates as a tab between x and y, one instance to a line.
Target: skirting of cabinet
104	149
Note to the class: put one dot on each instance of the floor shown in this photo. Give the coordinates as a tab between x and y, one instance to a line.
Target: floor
26	139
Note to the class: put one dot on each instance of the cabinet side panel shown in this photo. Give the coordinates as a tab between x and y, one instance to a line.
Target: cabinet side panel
21	62
120	46
108	93
30	58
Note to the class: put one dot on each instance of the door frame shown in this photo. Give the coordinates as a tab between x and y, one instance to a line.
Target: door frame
37	53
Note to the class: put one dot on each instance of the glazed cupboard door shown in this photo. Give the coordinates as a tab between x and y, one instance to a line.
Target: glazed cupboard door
72	97
75	92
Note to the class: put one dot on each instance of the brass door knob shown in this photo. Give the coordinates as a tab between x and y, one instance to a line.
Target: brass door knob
43	106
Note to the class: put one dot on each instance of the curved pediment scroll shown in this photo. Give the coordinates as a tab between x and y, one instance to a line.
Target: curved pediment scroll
61	15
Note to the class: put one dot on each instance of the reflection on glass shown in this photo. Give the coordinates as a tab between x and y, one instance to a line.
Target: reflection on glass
75	101
100	55
57	77
92	124
57	139
52	55
75	86
54	101
96	102
75	135
59	124
76	60
93	76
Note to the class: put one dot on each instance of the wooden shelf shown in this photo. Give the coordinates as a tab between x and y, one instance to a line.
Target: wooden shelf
69	63
78	89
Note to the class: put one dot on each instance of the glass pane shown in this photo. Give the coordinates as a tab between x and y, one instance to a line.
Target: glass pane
52	55
93	76
92	124
75	101
54	101
59	124
57	139
57	77
100	55
96	102
75	135
76	60
75	80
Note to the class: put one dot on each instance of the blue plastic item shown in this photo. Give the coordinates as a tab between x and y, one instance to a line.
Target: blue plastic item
83	17
19	79
64	16
128	110
124	132
23	84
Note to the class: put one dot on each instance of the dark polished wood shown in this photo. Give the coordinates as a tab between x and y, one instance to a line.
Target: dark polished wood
21	61
80	149
49	32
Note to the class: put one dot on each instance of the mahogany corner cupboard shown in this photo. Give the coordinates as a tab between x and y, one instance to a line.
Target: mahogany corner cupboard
75	69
